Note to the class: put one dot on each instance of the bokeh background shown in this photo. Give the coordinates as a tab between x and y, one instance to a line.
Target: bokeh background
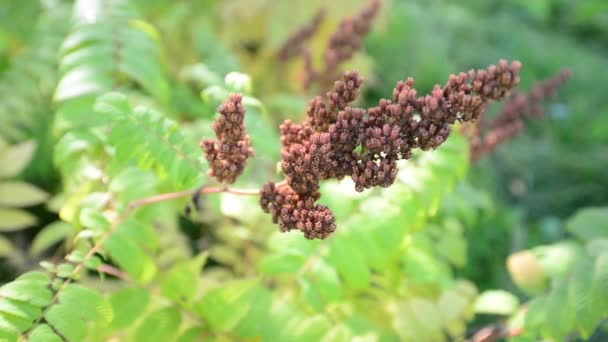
534	194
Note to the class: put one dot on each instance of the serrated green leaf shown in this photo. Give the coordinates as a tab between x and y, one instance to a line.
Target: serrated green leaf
14	219
50	235
20	194
160	325
15	158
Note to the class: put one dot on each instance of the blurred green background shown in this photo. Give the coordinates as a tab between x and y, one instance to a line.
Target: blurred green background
544	192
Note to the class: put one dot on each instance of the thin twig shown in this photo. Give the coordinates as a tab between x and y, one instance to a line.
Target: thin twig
113	271
132	206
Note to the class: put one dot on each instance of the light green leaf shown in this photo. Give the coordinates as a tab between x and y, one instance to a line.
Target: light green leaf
326	280
130	257
14	219
44	333
193	334
589	223
6	247
347	259
67	321
50	235
181	281
599	289
225	306
560	320
128	304
32	287
20	194
161	325
312	329
496	302
90	305
15	158
580	283
280	263
339	333
20	309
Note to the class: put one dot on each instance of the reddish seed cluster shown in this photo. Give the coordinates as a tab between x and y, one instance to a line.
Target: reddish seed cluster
227	156
293	211
336	140
342	46
294	45
509	121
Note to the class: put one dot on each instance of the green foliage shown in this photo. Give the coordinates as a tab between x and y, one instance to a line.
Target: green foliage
117	98
575	301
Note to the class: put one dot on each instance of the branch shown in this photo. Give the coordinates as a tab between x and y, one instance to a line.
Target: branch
131	207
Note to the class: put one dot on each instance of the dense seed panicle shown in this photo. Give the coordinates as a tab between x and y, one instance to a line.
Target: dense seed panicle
485	135
338	140
227	155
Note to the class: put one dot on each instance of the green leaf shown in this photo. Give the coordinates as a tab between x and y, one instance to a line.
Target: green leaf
130	257
599	289
32	287
20	194
313	329
44	333
90	304
496	302
413	322
6	247
326	280
128	304
66	320
225	306
338	333
560	320
14	322
14	219
20	309
93	219
15	158
181	281
580	285
160	325
589	223
453	305
348	260
50	235
257	323
193	334
280	263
